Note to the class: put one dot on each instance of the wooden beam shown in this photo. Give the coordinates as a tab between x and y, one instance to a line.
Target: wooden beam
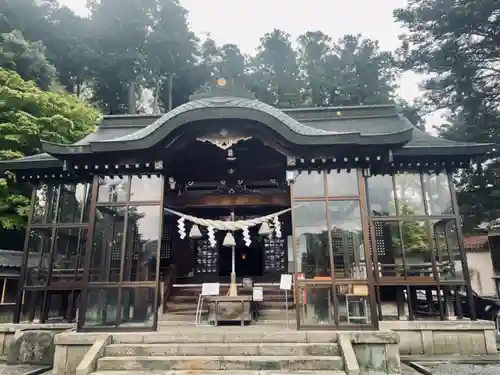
229	200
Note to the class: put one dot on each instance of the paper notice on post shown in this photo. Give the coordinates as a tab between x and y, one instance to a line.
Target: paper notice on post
210	289
286	281
258	293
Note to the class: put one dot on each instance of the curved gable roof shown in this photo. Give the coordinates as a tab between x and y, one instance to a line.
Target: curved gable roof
231	108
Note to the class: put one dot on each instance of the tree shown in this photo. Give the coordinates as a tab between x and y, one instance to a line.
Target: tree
171	54
274	74
232	62
27	59
358	73
313	53
118	37
456	42
69	49
28	115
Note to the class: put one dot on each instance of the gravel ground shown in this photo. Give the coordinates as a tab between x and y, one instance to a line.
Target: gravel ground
17	369
462	369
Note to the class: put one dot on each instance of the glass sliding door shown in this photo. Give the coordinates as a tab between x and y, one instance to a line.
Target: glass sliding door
332	265
123	262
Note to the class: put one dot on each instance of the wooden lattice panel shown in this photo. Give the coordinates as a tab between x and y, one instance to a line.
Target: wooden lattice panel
206	257
342	241
380	239
166	244
274	254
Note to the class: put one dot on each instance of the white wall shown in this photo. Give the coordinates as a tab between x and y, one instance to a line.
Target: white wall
482	272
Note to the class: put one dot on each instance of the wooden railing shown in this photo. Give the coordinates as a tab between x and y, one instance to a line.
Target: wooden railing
167	284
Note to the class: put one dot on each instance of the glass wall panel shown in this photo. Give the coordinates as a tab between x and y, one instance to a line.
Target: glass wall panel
101	307
142	243
44	207
107	245
389	249
317	305
309	185
381	195
347	239
438	194
447	249
342	183
353	304
311	230
138	307
38	256
409	194
146	188
68	253
113	189
418	256
73	205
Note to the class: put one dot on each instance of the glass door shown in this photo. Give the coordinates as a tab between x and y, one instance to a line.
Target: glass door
331	262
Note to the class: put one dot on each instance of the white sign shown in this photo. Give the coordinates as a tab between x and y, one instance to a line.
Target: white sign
258	293
210	289
286	281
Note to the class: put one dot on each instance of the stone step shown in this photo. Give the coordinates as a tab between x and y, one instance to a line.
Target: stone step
218	372
276	363
197	335
217	349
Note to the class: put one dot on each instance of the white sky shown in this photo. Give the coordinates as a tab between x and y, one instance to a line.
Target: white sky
244	22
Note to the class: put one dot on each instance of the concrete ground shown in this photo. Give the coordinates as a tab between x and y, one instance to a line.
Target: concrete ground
19	369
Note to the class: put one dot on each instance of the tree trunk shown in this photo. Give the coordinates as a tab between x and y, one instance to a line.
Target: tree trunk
170	87
156	96
131	98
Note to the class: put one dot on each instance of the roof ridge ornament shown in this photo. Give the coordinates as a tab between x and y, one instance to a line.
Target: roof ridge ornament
223	87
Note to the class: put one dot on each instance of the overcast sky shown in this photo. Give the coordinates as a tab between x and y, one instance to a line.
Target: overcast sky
244	22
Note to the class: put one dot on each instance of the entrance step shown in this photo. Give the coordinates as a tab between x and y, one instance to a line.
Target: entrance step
218	372
218	349
276	363
231	351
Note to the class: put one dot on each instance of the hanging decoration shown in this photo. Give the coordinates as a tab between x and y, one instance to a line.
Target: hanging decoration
211	237
182	228
246	237
229	226
265	229
229	240
195	232
277	226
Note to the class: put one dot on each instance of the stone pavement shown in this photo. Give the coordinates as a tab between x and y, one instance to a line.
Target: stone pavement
18	369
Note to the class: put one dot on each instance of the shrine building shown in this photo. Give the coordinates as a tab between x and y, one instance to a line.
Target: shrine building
356	203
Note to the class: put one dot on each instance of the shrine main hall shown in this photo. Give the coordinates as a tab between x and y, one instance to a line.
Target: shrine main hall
356	204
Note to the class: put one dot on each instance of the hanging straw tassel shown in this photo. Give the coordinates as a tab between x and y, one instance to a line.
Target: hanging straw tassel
195	232
229	240
264	229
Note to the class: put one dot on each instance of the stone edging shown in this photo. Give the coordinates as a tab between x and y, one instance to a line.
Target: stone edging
88	363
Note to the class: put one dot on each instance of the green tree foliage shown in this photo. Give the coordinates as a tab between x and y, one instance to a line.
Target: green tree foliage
27	59
27	115
456	43
274	71
171	54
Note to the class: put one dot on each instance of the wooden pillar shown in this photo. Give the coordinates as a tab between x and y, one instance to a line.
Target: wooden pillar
4	287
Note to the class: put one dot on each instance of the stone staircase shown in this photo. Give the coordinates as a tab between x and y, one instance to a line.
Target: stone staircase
181	306
224	351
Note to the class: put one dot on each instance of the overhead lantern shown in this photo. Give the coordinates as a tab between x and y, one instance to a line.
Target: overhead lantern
264	229
229	240
195	232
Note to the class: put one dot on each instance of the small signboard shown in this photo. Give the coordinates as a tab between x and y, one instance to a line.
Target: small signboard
210	289
286	281
247	282
258	293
